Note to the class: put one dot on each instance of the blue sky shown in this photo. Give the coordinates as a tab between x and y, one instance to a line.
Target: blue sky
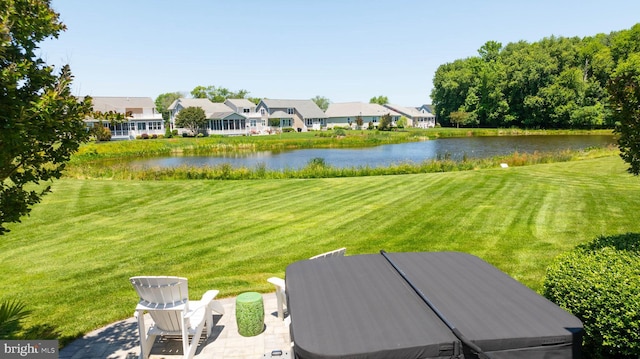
344	50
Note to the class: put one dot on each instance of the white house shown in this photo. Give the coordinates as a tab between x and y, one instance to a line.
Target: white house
346	114
140	112
255	123
415	116
302	115
222	119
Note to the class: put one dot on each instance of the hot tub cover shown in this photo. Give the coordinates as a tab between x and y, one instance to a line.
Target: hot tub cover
361	307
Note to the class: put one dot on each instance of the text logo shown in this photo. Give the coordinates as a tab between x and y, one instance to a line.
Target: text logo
29	349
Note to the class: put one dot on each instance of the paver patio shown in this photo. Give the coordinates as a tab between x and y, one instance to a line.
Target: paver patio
120	340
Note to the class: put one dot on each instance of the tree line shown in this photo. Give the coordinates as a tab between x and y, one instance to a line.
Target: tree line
557	82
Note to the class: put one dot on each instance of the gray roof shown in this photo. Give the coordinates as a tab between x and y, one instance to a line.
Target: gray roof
280	114
353	109
410	112
241	102
120	104
427	107
306	108
211	109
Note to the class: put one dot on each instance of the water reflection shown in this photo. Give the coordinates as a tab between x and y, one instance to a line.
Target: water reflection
386	155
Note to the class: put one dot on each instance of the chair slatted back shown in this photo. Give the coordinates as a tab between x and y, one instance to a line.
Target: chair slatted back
335	253
165	298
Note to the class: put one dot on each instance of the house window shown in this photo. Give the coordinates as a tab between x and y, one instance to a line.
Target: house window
142	126
245	110
285	122
308	122
290	111
263	111
253	123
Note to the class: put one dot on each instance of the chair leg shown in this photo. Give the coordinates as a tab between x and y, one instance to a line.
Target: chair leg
146	340
209	319
189	347
280	300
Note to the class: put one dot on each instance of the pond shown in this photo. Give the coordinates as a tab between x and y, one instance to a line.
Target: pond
386	155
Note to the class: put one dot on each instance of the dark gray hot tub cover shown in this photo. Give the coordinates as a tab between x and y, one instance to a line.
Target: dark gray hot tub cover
360	307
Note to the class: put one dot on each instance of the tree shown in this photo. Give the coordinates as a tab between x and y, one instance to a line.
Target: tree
322	102
42	123
192	118
490	50
402	122
199	92
163	101
380	100
624	89
459	118
217	94
385	123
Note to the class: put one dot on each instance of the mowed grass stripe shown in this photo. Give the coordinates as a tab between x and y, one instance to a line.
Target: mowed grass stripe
71	259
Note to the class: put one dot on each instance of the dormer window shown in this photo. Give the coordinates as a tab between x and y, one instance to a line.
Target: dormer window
290	111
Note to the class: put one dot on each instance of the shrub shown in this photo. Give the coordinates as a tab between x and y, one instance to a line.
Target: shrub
340	132
102	133
599	282
144	136
288	129
12	312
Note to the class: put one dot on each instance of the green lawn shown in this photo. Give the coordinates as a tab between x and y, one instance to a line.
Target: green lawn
71	259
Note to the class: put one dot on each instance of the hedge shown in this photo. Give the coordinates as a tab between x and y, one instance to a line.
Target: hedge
599	282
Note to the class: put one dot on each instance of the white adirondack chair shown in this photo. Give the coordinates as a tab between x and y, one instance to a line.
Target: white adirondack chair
166	299
281	290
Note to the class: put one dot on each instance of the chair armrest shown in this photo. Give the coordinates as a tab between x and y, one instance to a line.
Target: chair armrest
209	296
278	282
207	299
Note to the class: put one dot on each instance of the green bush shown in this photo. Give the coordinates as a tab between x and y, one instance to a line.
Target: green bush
599	282
102	133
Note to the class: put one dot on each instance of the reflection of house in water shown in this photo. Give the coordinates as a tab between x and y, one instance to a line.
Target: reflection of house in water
141	116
